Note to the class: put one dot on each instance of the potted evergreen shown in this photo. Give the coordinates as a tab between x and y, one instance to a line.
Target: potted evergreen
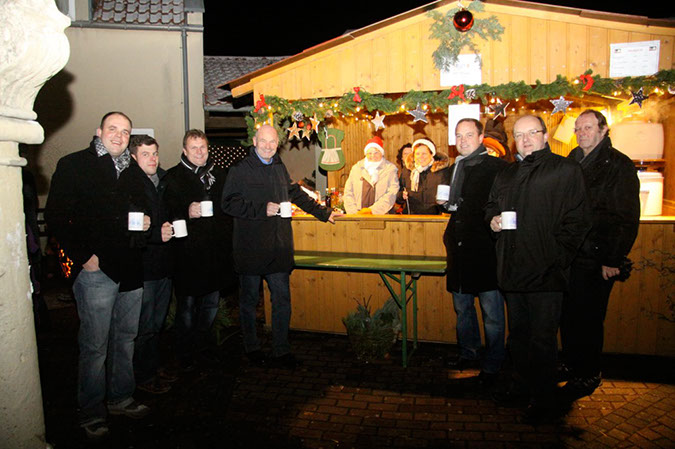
372	336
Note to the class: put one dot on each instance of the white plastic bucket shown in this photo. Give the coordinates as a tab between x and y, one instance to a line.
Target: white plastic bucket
651	192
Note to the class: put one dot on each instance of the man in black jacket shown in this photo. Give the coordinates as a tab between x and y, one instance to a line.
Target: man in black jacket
547	194
202	259
614	195
88	217
263	240
142	184
472	264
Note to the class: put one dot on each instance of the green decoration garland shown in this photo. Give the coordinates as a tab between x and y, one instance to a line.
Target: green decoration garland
453	41
280	109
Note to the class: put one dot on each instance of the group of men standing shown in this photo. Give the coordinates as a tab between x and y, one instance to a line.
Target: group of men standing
124	276
571	223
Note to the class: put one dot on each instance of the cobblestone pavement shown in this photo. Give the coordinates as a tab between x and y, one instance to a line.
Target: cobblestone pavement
332	400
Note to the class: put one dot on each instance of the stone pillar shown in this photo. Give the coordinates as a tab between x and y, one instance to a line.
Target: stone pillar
33	48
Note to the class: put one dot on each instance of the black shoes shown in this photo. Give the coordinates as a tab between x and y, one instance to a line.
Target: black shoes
578	387
257	358
286	361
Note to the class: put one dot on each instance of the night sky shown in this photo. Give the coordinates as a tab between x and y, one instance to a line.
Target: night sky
291	27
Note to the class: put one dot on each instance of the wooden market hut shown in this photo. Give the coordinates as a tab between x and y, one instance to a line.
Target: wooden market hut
539	44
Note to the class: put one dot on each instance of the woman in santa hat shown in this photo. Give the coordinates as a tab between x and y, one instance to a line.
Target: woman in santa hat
373	182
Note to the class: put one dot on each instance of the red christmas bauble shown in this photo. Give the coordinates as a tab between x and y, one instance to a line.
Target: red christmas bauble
463	20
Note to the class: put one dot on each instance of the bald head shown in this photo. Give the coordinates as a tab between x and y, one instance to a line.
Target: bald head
266	141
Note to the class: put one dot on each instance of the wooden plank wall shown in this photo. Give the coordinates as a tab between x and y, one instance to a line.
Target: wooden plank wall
536	45
640	317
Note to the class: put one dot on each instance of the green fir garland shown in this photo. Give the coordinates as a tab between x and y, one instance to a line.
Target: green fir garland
282	109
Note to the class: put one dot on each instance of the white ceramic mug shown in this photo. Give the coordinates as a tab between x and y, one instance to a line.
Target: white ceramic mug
207	208
285	210
443	192
179	228
509	221
136	221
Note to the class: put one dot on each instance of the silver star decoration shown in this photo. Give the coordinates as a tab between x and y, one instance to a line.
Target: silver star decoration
378	121
638	97
419	114
499	108
560	104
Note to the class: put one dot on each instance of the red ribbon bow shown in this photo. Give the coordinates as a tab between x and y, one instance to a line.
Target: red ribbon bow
260	103
457	91
588	82
356	95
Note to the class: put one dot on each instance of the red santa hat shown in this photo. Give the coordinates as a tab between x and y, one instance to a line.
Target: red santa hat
376	143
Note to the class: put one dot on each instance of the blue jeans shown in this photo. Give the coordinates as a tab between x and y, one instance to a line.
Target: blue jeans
468	335
155	305
108	326
249	297
533	339
194	318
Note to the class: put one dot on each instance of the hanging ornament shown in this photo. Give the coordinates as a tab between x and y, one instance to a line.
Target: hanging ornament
463	20
357	98
638	97
378	121
587	81
560	105
329	113
293	131
498	109
260	103
419	114
332	157
671	90
315	123
297	116
457	91
470	94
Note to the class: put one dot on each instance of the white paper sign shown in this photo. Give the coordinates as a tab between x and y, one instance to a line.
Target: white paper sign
465	71
457	112
634	59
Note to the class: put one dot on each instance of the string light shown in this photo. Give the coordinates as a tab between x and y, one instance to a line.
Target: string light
225	156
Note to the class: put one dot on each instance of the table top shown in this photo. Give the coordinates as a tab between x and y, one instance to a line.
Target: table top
326	260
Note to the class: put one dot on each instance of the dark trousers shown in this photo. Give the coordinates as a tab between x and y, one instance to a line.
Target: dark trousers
155	305
533	343
582	323
194	318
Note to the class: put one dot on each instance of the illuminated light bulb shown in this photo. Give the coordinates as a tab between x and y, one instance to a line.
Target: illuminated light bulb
403	107
320	105
576	81
425	107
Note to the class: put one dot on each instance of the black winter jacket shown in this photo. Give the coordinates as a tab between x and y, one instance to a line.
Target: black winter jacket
203	259
423	201
156	254
262	244
614	199
548	194
472	265
87	216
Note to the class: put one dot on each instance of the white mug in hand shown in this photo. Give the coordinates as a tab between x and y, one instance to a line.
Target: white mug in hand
179	228
285	210
207	208
136	221
509	221
442	193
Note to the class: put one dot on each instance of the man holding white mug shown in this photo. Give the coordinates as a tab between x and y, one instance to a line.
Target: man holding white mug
263	241
202	258
471	254
89	218
547	193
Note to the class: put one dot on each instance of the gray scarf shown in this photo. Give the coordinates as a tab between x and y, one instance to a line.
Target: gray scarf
121	162
457	182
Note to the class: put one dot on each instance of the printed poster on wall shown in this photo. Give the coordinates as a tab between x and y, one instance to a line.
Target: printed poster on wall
465	71
634	59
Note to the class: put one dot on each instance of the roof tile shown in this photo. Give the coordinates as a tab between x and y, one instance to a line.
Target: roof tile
140	12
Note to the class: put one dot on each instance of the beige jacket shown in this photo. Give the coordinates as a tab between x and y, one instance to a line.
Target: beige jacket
386	188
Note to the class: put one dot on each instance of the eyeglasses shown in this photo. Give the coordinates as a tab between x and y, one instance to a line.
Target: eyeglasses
530	133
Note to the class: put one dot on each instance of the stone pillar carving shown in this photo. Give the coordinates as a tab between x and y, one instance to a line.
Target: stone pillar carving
33	47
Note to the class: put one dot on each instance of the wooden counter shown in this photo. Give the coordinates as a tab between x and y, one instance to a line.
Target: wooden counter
640	318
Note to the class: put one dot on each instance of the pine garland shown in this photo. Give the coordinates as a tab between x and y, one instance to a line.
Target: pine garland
453	41
279	110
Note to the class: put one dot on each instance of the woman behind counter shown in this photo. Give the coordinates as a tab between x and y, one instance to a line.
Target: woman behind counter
373	182
423	171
